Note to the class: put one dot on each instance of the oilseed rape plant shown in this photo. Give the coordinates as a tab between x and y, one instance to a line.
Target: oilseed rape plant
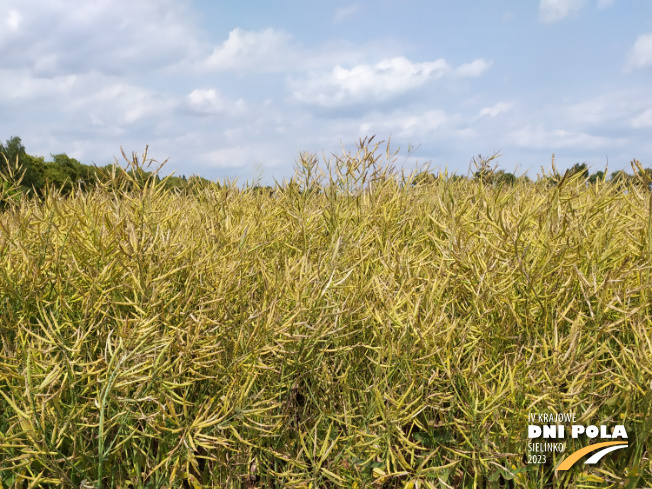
352	327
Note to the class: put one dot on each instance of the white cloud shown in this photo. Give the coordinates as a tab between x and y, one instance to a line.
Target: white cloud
210	101
267	50
405	125
609	111
640	55
344	13
496	109
21	86
10	31
594	111
556	10
541	138
112	36
111	103
87	99
375	83
362	83
605	3
234	156
473	69
643	120
271	50
13	20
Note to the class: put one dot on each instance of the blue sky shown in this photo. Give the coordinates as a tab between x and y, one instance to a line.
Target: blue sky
238	89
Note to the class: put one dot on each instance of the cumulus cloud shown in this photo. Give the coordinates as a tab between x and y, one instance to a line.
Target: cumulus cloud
84	104
272	51
208	101
609	111
556	10
594	112
541	138
475	68
267	50
380	82
19	85
118	103
112	36
237	156
406	125
362	83
640	55
496	109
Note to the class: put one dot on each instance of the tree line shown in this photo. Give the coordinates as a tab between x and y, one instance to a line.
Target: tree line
64	174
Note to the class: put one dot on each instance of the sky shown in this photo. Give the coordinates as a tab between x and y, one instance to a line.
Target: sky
236	90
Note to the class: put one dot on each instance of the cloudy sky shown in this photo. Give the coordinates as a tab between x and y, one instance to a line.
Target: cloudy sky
230	89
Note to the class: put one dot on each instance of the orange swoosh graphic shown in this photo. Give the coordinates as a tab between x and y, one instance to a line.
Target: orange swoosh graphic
574	457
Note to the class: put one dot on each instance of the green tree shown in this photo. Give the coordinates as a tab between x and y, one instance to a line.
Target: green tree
12	149
423	178
65	172
599	175
485	169
621	178
501	177
34	173
523	179
643	176
579	168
